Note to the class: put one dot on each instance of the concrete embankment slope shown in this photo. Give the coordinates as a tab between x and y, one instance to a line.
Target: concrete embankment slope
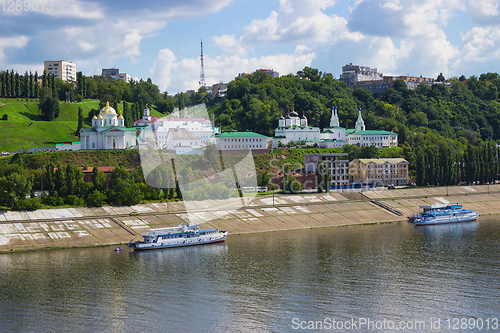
73	227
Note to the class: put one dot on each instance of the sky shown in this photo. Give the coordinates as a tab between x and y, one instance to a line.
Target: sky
161	39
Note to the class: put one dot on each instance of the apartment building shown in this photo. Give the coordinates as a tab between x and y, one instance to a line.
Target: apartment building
339	166
353	73
379	171
114	73
64	70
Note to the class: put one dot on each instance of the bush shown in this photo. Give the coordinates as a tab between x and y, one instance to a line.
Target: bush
5	117
53	201
78	98
73	200
96	199
28	204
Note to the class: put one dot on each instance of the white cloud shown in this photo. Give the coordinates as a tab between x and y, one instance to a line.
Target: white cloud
301	22
229	44
161	72
481	44
86	46
485	11
12	42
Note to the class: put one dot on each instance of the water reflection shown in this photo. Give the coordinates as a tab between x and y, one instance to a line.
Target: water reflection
259	282
448	230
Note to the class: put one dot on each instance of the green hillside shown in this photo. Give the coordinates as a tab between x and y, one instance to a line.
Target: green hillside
25	128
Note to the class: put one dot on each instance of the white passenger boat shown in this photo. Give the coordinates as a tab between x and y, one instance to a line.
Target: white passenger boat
443	214
182	235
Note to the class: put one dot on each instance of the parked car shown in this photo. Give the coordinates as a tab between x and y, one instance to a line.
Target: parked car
134	214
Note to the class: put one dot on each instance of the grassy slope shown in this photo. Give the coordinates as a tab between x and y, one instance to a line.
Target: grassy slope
17	133
25	128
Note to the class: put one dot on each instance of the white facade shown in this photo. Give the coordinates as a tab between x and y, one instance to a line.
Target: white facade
108	132
184	135
336	136
295	129
64	70
234	142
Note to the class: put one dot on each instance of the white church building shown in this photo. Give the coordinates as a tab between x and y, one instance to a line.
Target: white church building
108	132
336	136
183	135
295	129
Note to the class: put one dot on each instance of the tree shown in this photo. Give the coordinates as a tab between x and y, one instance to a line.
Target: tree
123	189
181	104
49	108
80	120
13	187
98	179
165	106
420	159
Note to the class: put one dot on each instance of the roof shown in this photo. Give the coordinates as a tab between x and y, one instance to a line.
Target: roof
182	133
151	120
371	132
240	135
380	160
104	169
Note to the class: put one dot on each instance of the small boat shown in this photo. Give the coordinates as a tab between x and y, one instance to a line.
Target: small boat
182	235
443	214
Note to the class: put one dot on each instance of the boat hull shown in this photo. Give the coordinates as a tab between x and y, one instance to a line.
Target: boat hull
471	218
139	246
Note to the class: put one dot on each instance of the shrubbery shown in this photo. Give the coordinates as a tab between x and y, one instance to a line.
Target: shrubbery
28	204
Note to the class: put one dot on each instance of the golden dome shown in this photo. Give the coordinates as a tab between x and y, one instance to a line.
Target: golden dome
99	116
94	117
120	117
108	109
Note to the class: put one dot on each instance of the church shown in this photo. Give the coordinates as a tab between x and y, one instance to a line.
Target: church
336	136
295	129
108	132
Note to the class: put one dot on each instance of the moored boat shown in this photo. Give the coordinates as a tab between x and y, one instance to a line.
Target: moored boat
443	214
182	235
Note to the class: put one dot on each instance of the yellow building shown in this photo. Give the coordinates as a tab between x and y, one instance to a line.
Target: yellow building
379	171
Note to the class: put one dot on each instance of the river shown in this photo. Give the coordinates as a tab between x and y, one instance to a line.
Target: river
395	275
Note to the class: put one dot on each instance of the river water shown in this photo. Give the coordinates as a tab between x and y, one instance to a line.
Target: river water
395	275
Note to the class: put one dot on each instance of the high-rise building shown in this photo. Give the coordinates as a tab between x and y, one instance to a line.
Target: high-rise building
64	70
114	73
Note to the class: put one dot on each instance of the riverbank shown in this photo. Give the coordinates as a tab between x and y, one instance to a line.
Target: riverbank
80	227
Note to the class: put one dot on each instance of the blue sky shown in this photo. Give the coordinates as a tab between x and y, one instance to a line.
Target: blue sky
161	39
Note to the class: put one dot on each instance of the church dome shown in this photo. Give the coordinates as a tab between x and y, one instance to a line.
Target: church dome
99	116
108	109
303	117
294	114
94	117
120	117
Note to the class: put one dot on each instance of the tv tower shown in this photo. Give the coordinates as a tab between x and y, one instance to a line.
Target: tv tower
202	71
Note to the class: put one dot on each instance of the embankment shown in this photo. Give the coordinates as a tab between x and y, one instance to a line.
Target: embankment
77	227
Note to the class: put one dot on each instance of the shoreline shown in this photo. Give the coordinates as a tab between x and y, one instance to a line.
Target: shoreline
52	229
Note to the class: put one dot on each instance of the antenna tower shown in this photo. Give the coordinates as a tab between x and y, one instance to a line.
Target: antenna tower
202	71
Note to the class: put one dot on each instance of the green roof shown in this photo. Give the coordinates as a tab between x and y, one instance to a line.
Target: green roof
239	135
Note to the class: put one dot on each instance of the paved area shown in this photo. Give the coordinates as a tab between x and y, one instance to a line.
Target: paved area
72	227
